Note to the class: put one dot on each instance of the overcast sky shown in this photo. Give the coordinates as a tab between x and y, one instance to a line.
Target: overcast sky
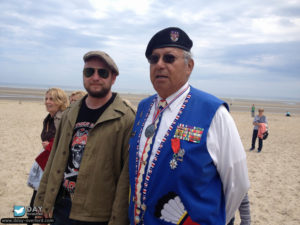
241	48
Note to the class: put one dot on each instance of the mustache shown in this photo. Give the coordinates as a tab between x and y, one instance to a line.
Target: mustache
96	82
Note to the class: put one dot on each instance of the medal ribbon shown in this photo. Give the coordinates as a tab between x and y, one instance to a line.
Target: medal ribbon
143	164
159	109
175	143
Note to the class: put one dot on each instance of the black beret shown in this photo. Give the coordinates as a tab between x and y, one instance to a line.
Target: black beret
169	37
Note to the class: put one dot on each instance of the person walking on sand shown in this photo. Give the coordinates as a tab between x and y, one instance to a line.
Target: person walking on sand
187	164
260	120
253	110
86	178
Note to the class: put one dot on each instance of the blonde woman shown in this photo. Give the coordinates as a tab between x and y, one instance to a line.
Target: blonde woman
56	101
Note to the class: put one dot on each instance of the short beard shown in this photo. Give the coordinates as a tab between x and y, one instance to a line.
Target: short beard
99	94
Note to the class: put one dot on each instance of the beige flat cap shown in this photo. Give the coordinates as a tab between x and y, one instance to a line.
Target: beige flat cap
105	57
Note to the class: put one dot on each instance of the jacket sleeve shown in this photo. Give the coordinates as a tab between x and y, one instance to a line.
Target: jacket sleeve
119	214
39	199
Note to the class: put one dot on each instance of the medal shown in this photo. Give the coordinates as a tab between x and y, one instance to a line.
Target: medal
178	153
150	130
181	154
173	164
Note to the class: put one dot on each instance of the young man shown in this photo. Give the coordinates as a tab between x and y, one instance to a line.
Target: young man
187	164
86	178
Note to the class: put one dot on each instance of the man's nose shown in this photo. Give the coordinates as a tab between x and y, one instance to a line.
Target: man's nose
95	75
160	62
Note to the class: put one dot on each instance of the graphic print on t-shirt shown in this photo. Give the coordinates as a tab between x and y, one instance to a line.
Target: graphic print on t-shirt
86	120
78	143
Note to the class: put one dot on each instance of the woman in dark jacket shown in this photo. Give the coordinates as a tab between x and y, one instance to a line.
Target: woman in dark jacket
56	101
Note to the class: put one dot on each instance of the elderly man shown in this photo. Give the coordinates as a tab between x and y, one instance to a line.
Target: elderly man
187	164
86	177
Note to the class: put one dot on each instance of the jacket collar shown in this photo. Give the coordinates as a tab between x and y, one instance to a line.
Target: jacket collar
57	118
115	110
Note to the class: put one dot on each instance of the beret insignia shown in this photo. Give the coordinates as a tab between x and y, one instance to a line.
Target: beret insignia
174	35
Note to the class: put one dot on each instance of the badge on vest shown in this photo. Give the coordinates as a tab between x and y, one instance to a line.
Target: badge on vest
170	209
188	133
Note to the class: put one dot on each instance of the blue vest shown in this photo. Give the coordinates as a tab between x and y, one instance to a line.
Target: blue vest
183	186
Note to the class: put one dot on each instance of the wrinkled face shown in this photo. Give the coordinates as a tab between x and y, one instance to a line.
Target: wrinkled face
95	85
51	106
167	78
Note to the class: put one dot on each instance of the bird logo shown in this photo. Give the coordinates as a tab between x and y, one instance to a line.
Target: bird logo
19	211
171	209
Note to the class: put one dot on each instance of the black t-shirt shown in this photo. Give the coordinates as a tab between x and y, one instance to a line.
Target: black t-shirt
86	120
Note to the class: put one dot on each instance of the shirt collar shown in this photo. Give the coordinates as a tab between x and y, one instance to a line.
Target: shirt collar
180	99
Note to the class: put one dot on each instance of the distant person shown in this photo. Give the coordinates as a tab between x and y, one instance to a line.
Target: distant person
86	178
76	95
56	101
260	122
244	211
253	110
288	114
187	161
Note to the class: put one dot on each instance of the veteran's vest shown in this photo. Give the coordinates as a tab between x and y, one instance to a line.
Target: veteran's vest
183	185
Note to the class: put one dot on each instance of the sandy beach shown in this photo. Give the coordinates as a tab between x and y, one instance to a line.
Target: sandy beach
274	173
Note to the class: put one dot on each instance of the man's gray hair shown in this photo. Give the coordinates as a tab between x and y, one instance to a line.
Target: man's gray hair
187	56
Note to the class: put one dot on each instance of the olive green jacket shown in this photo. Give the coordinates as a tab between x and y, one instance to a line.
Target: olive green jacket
102	185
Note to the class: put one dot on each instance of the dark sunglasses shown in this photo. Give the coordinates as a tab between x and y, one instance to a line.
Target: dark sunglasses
88	72
167	58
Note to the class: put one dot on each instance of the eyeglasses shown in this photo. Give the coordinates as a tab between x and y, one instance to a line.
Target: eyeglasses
88	72
167	58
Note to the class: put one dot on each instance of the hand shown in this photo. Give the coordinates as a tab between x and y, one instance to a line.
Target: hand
45	143
45	215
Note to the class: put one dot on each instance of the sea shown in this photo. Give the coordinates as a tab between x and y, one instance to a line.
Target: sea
236	103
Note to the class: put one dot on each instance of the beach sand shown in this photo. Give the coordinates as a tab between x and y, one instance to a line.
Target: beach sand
274	173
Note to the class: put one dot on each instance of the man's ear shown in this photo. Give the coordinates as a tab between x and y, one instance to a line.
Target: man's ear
113	79
190	66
